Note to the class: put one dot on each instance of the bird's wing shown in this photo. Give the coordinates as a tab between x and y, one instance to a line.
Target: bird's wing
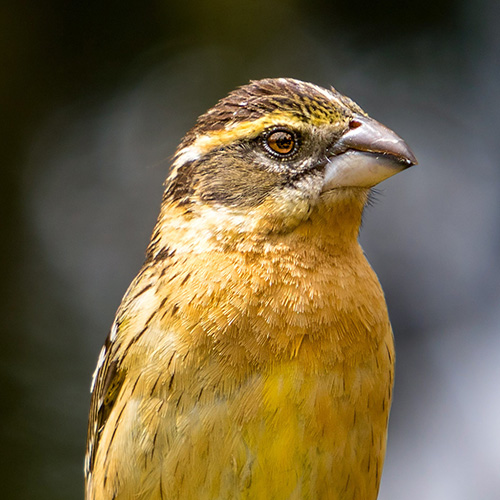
107	381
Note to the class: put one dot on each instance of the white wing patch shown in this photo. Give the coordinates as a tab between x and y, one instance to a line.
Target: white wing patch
100	361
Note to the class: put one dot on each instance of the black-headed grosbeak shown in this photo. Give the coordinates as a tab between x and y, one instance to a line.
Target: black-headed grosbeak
252	356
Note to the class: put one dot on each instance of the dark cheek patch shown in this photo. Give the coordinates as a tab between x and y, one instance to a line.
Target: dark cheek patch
236	184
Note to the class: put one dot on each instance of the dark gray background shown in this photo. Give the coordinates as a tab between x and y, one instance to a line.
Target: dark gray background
95	97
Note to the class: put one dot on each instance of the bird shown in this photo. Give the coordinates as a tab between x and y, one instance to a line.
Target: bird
252	357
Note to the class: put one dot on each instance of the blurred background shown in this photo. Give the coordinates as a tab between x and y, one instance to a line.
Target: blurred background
96	95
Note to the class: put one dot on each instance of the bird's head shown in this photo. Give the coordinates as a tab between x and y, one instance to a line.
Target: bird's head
273	153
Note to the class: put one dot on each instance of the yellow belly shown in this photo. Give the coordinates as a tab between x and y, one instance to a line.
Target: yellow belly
284	434
318	437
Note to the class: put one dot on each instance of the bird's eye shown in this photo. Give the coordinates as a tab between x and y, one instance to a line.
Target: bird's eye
281	143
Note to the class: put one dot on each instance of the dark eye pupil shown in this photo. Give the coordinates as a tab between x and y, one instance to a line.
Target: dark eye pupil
284	142
281	142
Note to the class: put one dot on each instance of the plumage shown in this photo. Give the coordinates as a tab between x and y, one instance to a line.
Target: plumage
252	357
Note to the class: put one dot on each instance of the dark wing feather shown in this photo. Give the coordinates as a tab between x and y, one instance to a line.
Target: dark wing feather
106	385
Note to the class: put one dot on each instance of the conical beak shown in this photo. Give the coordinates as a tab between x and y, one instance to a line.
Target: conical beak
366	154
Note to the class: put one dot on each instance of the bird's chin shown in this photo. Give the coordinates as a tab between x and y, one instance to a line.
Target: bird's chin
360	169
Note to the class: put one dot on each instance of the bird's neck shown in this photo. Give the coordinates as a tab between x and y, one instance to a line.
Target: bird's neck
333	220
308	294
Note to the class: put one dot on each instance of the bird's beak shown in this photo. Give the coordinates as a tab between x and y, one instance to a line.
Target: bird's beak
366	154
